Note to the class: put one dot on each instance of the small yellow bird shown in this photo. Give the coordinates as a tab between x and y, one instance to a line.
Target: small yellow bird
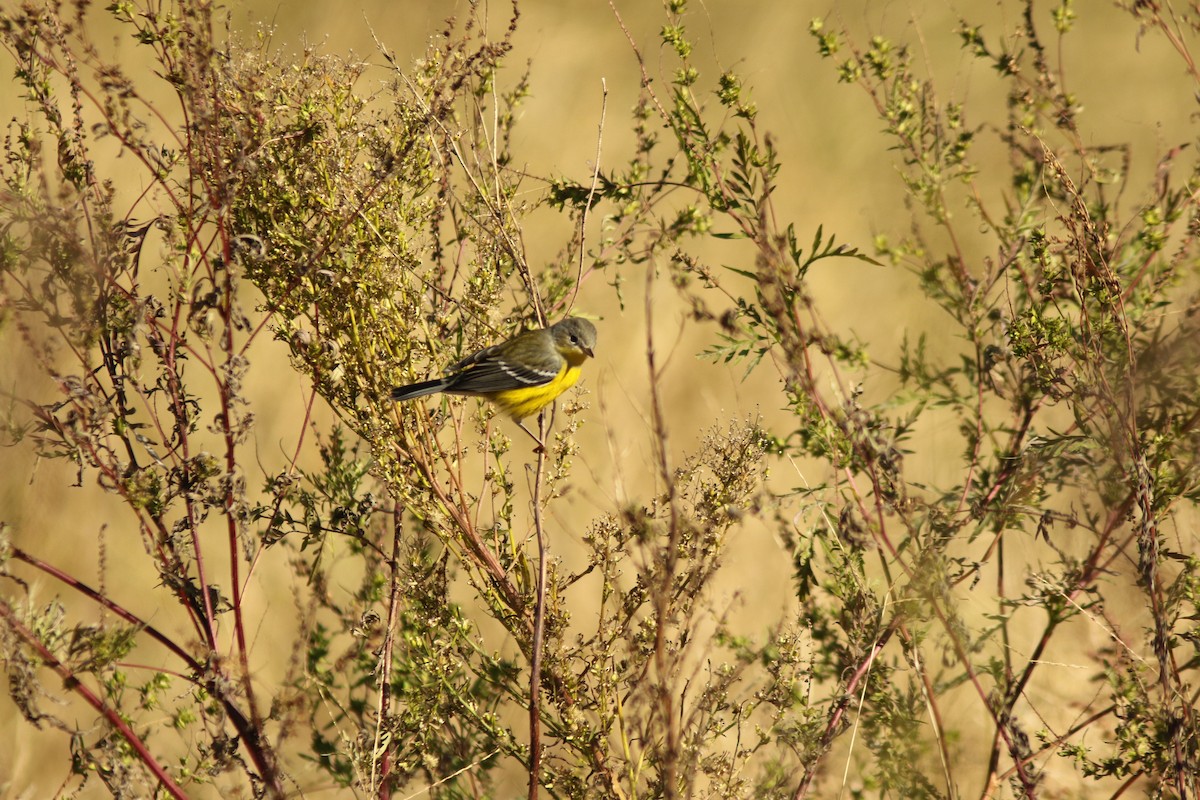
522	375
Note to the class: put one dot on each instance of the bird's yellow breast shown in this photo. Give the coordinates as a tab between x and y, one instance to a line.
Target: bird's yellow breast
529	400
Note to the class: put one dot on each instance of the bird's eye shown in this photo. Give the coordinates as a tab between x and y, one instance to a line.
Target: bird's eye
574	339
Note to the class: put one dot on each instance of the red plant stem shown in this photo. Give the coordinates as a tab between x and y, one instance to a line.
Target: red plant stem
839	711
72	682
539	624
662	593
249	738
111	605
385	671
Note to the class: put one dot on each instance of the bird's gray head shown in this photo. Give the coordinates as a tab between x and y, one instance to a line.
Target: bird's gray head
574	336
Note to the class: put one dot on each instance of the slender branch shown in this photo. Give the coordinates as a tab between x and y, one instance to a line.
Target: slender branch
381	763
73	682
666	579
539	619
587	206
110	604
202	675
833	723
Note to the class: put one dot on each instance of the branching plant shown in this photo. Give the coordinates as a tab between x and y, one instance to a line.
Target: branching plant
374	230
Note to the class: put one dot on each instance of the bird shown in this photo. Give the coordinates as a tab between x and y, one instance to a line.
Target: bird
522	375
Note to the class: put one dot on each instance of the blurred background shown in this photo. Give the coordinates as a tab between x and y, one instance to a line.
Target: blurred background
837	173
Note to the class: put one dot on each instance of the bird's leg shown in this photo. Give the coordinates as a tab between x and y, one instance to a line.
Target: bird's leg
541	446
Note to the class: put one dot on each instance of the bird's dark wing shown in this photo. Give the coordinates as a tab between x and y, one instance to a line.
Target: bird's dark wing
475	358
494	369
497	375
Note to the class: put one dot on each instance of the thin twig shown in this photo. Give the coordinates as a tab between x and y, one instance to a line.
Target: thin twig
539	618
381	766
451	776
662	591
833	724
587	207
72	681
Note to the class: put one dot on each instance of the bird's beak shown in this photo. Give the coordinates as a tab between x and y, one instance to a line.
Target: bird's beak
589	352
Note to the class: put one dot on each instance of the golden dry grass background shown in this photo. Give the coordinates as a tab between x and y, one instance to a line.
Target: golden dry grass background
837	173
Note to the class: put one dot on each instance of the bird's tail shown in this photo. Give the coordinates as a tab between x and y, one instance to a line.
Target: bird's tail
419	389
